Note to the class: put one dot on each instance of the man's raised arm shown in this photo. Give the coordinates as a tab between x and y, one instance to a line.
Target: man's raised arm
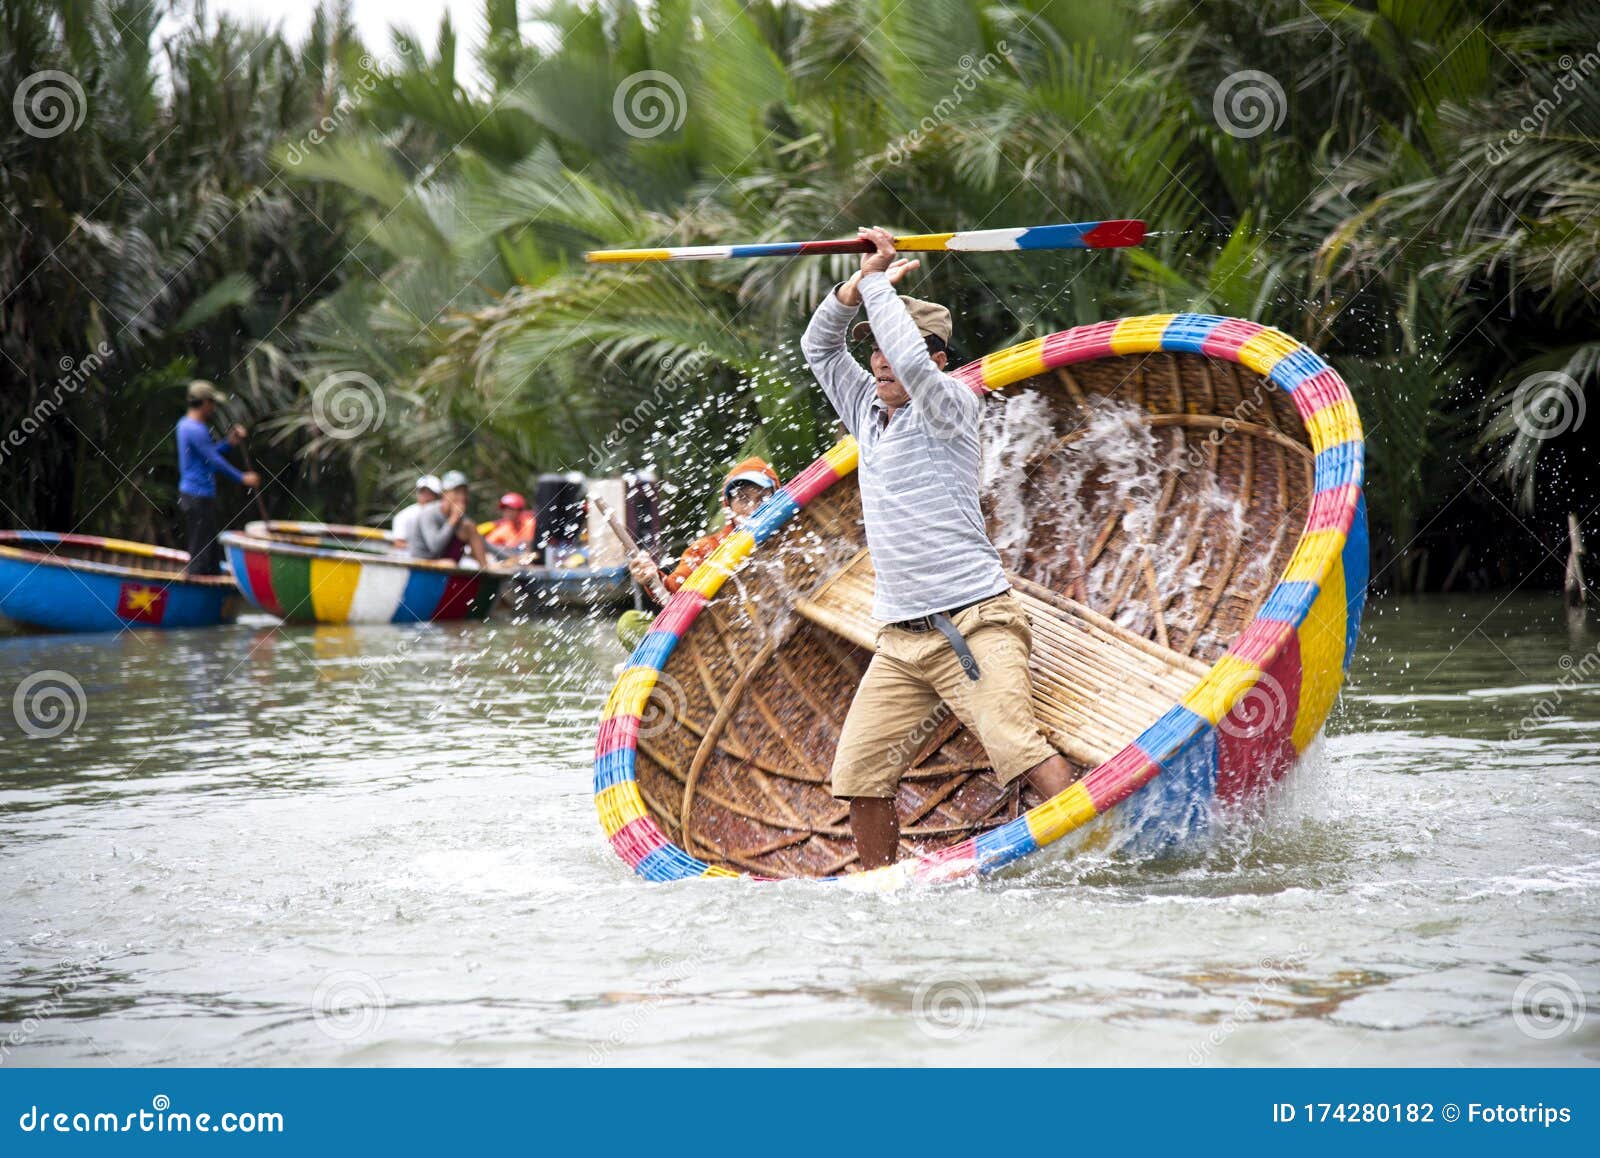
907	351
846	382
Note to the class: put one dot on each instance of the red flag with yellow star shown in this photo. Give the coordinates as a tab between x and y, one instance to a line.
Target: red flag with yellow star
142	603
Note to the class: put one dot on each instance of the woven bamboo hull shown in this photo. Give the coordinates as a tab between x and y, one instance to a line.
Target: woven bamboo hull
327	573
1188	538
63	582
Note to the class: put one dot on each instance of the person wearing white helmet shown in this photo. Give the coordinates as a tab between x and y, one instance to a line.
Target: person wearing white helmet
404	527
444	530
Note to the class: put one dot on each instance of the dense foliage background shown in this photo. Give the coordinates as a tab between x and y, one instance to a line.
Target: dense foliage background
1410	186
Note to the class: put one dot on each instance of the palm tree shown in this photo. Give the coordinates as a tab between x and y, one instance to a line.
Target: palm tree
151	224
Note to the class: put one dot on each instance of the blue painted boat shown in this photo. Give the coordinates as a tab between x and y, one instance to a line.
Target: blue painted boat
63	582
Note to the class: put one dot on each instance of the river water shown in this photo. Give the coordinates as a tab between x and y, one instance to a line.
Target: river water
359	846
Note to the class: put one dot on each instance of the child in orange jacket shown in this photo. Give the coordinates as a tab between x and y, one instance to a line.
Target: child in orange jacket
748	485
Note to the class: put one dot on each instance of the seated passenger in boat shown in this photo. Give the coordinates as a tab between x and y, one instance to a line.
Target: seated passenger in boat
512	533
404	527
444	530
748	485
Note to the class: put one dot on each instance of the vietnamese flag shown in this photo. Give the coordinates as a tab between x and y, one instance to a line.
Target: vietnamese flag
141	603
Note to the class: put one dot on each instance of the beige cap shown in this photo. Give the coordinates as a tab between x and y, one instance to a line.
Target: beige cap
202	391
930	318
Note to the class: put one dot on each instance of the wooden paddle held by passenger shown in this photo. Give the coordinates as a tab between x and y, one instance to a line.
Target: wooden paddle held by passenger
955	639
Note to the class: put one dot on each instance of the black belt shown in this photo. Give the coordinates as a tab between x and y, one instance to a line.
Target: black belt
941	621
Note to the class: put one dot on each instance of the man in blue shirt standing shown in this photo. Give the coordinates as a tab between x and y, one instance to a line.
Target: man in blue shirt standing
199	462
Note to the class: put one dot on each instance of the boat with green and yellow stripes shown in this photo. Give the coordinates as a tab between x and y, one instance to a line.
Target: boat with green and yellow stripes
332	573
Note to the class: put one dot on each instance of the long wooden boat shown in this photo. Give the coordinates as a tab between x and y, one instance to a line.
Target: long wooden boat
330	573
552	588
63	582
1178	499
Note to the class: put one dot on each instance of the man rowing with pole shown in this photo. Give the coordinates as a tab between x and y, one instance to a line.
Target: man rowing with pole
952	630
199	462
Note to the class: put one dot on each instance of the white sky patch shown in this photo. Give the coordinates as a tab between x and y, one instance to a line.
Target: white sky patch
373	19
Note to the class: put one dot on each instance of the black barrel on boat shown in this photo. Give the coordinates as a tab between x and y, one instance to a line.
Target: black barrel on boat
559	503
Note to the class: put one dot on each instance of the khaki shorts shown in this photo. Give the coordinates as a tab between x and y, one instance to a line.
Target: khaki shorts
899	704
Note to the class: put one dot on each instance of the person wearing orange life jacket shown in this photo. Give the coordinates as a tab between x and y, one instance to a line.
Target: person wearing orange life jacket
749	484
512	533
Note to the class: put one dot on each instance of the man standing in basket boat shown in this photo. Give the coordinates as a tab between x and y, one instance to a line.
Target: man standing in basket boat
952	631
199	462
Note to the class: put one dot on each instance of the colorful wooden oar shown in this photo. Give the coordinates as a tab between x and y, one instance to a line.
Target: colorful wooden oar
1084	235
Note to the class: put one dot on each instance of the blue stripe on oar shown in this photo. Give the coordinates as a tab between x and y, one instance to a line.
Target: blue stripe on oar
775	249
1054	237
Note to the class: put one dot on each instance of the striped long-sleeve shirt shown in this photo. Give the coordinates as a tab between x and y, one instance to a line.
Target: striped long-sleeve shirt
919	470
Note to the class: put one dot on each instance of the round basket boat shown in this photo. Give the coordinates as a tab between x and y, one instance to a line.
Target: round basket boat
331	573
62	582
1178	502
